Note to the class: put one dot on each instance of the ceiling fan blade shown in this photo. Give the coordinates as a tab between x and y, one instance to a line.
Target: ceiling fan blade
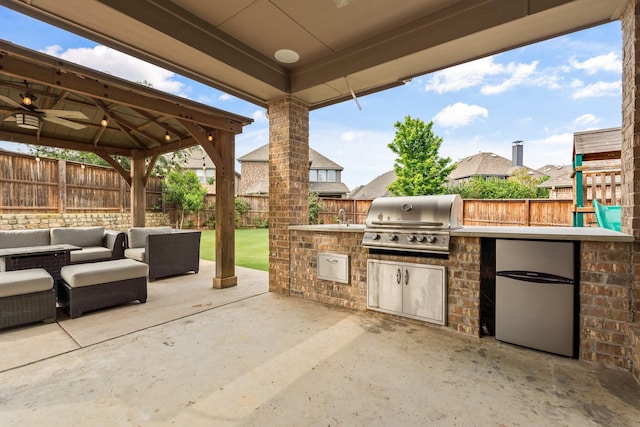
64	114
64	122
10	119
11	102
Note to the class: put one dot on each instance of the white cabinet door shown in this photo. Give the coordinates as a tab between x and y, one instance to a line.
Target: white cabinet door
384	286
411	290
424	294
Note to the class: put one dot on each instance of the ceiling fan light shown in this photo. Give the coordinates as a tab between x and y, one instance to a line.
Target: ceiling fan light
27	121
104	122
210	137
27	99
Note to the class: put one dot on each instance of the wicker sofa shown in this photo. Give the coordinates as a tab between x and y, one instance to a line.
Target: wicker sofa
96	243
167	251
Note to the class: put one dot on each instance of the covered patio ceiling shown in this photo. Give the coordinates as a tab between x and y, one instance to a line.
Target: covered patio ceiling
362	46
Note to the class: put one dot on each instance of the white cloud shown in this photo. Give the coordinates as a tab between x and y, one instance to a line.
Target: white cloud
609	62
459	114
463	76
107	60
598	89
225	97
586	120
554	149
259	116
519	73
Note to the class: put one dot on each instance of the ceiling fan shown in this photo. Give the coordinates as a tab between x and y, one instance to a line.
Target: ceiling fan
28	116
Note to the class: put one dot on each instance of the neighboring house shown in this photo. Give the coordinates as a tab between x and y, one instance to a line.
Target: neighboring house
203	166
560	182
324	174
376	188
486	165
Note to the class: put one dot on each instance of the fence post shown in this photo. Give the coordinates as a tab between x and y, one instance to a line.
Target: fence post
527	206
62	186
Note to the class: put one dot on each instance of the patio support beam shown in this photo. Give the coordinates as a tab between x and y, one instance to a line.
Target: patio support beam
138	195
222	150
288	183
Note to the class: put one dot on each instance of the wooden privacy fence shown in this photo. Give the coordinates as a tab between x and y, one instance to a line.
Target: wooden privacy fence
512	212
29	184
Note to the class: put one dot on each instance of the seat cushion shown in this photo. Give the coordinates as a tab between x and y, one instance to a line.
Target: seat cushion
95	273
22	282
23	238
138	235
78	236
93	253
135	253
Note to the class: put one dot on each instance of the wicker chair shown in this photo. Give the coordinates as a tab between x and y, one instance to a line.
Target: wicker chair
168	252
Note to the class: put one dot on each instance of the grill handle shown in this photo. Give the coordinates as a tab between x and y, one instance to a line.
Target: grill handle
410	223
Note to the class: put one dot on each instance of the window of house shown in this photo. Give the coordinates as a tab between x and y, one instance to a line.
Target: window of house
324	175
201	175
313	175
331	175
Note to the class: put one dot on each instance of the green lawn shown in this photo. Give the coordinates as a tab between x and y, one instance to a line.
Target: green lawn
252	247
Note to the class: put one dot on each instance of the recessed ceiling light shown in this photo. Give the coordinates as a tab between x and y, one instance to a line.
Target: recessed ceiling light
287	56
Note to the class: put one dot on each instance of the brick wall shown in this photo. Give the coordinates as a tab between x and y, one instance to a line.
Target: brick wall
305	246
288	183
631	161
113	221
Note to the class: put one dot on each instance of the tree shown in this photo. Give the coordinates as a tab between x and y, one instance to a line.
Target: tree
520	186
418	168
315	205
183	189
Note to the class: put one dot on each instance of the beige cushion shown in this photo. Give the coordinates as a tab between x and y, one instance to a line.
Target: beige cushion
78	236
22	282
93	253
103	272
23	238
138	235
135	253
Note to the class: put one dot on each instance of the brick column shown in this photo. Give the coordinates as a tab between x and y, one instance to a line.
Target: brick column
631	159
288	183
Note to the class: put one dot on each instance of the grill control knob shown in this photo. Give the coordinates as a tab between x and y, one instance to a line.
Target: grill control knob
420	238
431	239
411	238
393	237
374	236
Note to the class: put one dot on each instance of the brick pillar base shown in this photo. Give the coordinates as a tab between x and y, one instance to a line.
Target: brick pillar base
288	183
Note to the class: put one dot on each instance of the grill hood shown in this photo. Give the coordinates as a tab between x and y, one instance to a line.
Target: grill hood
416	212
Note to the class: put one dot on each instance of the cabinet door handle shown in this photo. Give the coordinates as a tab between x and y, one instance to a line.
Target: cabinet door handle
406	276
399	275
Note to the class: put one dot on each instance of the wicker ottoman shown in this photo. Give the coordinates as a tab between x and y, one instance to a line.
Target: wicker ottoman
97	285
26	296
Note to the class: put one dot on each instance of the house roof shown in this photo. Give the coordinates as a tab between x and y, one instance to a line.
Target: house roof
342	46
487	165
318	161
376	188
559	176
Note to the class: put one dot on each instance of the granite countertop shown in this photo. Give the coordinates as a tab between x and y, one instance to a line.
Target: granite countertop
544	233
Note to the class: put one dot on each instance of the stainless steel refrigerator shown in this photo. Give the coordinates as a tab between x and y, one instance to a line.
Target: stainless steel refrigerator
536	295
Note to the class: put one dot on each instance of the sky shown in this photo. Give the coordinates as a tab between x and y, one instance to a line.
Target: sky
539	94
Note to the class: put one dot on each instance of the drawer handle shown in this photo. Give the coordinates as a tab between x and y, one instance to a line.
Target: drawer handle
331	260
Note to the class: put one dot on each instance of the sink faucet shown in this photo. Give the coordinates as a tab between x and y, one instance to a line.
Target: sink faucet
342	217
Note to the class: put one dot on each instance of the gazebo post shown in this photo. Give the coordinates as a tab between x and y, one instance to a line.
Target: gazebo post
138	195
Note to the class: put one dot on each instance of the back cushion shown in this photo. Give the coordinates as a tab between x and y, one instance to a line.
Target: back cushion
138	235
83	237
23	238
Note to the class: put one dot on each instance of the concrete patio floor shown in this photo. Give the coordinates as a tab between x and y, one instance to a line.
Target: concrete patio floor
241	356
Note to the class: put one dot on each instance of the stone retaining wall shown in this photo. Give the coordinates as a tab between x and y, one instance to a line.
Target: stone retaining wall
113	221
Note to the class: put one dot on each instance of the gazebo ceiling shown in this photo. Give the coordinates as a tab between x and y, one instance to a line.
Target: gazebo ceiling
138	117
343	45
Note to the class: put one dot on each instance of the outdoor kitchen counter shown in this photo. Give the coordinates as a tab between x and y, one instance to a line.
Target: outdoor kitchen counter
544	233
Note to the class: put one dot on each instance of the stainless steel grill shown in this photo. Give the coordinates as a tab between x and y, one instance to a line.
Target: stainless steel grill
415	224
